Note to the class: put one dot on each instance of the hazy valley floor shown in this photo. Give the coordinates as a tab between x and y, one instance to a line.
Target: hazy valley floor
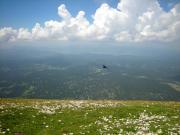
75	117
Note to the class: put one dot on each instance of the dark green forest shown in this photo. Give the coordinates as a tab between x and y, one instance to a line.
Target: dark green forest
78	76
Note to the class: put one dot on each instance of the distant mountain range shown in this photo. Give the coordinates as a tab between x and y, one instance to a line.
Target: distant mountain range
79	76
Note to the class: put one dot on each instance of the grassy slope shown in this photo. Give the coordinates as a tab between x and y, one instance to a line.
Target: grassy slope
54	117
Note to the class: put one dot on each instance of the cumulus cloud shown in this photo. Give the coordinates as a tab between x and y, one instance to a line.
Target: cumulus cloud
63	12
130	21
8	34
24	34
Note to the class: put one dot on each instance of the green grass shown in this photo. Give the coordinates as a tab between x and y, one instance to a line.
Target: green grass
55	117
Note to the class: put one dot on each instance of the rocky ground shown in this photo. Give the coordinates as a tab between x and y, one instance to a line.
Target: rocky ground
76	117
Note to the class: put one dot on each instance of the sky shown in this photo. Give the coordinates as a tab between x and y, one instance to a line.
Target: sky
116	21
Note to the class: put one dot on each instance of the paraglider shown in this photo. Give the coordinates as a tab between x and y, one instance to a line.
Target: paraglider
105	67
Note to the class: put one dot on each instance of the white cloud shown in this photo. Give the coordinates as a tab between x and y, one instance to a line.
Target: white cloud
24	34
123	36
63	12
39	32
131	21
8	34
108	21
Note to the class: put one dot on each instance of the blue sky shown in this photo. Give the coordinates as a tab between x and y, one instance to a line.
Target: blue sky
25	13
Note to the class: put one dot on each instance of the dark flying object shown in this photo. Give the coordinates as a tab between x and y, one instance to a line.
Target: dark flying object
103	66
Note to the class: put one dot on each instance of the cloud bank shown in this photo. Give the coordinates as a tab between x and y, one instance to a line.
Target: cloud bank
130	21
